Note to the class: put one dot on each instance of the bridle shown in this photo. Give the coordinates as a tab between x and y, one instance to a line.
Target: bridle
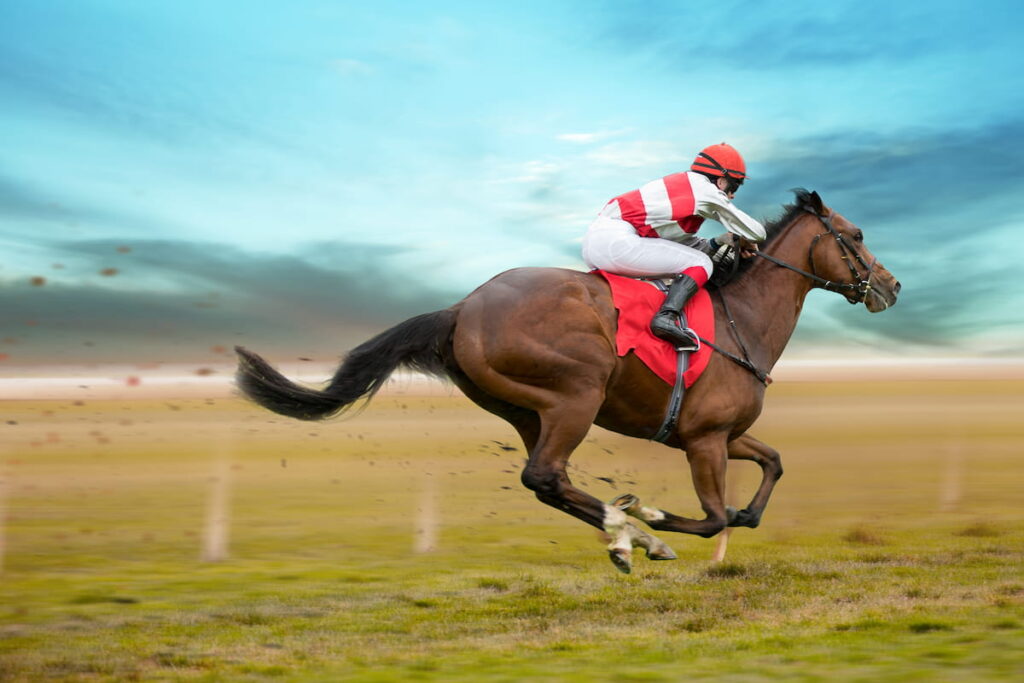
856	291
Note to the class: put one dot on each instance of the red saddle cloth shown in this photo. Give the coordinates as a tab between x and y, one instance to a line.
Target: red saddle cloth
637	301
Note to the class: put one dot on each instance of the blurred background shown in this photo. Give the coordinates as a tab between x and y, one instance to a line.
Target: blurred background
180	177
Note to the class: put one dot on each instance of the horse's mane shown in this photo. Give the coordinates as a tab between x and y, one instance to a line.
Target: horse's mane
805	201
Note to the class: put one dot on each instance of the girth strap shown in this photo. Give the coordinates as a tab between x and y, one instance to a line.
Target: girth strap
675	403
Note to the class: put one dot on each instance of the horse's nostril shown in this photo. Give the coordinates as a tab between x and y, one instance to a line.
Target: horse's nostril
896	289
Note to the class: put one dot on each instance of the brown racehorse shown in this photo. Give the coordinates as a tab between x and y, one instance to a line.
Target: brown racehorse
536	346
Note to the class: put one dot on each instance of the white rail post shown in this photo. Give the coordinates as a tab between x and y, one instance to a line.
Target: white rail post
425	521
216	529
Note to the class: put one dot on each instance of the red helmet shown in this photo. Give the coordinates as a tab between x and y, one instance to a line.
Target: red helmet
720	160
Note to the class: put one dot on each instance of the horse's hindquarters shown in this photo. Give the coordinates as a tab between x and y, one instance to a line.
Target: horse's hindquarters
534	337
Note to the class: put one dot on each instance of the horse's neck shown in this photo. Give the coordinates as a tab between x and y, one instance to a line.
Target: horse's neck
766	302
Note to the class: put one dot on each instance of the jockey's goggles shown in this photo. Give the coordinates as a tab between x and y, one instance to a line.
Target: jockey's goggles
733	184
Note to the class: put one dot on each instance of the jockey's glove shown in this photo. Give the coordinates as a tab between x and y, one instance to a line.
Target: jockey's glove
723	255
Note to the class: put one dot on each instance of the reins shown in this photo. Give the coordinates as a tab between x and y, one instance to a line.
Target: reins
859	288
745	361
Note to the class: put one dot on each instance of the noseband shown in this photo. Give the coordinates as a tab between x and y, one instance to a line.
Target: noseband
855	291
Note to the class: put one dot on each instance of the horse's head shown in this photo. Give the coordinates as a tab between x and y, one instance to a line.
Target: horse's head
838	259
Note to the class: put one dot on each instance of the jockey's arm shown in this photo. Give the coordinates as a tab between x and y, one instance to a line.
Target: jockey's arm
716	206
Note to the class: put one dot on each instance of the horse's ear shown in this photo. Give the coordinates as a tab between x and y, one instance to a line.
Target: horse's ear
809	201
816	203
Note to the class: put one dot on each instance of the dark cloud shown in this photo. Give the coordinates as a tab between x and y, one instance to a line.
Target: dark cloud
917	174
171	299
939	314
944	199
352	277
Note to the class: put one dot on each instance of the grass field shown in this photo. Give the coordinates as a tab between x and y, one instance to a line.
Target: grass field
399	545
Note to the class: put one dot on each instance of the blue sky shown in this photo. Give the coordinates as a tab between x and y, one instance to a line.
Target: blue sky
299	175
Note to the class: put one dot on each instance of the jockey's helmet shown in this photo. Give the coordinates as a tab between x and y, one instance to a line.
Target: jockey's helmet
721	160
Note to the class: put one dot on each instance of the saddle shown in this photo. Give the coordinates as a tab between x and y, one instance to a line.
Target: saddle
637	301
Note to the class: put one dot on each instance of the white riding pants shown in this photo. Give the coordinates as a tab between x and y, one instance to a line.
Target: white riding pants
613	245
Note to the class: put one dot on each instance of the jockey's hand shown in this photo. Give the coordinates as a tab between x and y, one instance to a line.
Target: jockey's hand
746	248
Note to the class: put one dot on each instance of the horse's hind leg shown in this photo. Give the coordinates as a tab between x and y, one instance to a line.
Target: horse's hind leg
562	428
545	471
747	447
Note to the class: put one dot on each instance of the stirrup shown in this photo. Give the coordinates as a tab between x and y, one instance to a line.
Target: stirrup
692	337
682	338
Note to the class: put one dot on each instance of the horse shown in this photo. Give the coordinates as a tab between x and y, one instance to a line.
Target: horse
536	347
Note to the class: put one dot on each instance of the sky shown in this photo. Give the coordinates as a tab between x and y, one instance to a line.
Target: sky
178	177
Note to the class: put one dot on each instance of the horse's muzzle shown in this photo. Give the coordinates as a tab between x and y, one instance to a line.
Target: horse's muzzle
883	292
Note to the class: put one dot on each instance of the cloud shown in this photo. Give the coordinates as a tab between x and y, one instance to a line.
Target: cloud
337	273
939	207
588	138
21	200
947	313
921	196
639	154
34	215
352	67
935	223
760	37
535	171
935	207
220	295
579	137
124	94
904	171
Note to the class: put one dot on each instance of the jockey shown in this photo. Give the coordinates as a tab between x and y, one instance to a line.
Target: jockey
650	232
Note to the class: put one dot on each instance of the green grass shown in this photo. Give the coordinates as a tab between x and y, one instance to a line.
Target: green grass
867	567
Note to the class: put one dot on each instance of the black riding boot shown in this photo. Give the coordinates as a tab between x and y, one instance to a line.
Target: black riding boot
669	323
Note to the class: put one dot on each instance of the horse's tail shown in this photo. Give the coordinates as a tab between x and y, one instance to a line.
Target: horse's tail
420	343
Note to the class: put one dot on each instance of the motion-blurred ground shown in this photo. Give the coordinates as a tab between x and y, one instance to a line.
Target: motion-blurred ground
351	549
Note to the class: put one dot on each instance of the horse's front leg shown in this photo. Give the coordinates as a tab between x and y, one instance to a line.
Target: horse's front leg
707	458
746	447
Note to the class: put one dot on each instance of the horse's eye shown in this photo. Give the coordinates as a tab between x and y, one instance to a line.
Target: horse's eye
858	236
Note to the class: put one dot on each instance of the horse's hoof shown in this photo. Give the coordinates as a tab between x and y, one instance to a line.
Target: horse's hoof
627	502
661	552
620	557
745	518
730	514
